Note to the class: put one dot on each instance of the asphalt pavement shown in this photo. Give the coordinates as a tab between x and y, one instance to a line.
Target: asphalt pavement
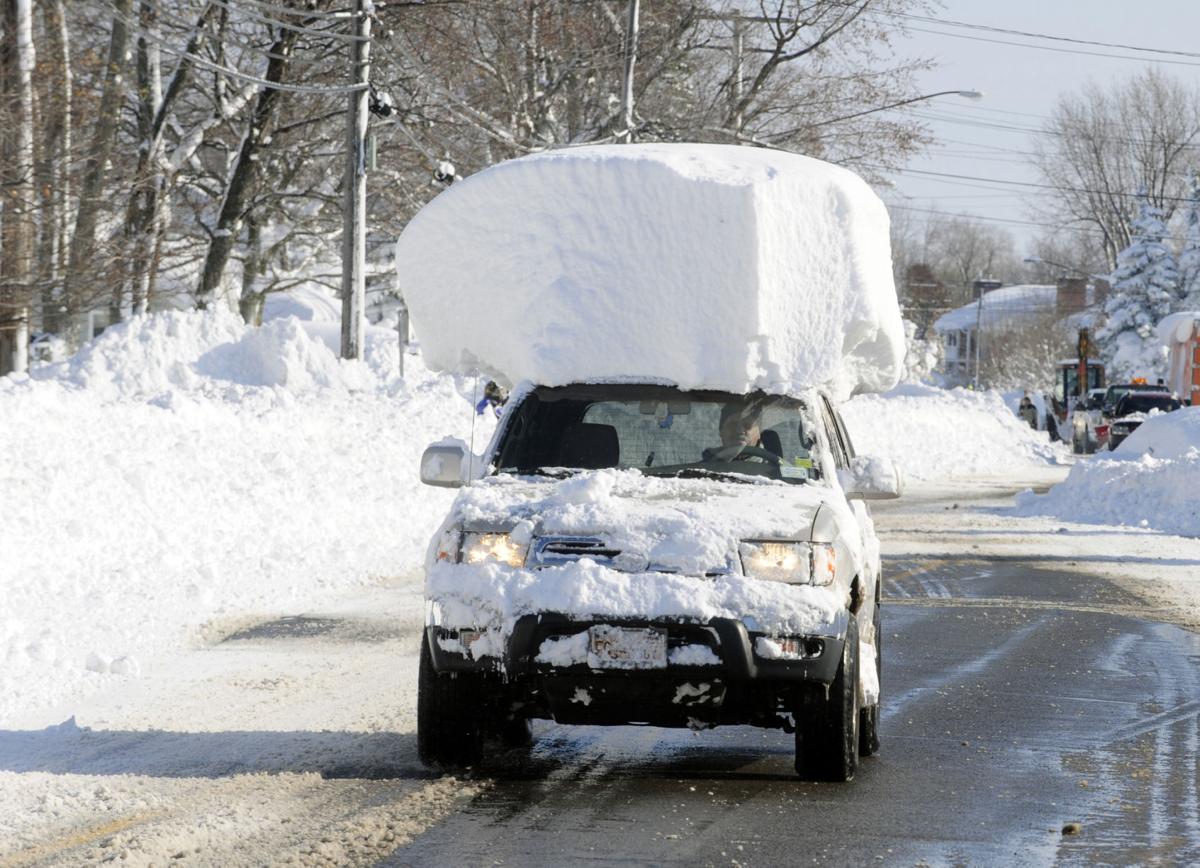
1031	716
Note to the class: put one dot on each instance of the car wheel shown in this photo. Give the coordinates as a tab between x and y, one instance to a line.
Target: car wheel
449	715
827	724
516	732
868	718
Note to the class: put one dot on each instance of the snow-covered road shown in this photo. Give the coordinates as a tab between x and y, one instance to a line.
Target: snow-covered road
293	738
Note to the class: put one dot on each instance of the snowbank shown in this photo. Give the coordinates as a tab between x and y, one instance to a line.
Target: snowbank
1152	480
183	470
935	433
705	265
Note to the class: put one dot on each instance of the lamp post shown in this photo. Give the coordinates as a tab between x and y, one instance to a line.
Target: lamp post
1038	260
968	94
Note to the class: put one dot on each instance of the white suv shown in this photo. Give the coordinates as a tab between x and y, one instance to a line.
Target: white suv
634	553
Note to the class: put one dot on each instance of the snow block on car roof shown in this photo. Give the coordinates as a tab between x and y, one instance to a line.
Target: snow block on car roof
709	266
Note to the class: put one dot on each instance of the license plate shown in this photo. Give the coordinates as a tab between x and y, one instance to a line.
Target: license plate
627	647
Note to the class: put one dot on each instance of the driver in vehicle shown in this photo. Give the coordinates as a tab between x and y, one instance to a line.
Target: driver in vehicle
740	427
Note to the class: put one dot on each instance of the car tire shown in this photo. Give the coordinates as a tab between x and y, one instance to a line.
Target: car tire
449	715
515	732
868	718
827	723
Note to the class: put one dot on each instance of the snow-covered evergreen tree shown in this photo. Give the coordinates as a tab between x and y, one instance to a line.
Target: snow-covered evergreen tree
1145	286
1189	256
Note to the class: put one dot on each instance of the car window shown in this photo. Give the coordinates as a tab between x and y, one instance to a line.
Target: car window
1134	402
659	430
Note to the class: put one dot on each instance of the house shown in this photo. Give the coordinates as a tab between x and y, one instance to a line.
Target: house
1006	309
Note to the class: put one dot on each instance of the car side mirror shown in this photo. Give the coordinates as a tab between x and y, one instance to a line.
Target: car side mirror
442	464
871	478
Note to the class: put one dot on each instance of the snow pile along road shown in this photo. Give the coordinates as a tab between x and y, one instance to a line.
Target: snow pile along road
184	469
1152	480
708	266
934	434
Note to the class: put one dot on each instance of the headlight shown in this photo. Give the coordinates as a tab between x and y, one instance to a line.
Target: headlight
793	562
479	548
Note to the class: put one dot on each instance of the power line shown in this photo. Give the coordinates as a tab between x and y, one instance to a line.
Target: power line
298	13
992	29
296	28
1051	47
1057	187
1005	220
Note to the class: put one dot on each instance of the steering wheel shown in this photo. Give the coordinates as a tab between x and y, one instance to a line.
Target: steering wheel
756	452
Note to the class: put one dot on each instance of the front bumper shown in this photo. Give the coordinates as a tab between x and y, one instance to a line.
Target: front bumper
728	638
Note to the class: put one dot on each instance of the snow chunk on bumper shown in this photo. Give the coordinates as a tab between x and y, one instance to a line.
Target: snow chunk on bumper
709	266
490	596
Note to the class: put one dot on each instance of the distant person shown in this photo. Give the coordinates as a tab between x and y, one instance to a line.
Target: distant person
494	396
1028	411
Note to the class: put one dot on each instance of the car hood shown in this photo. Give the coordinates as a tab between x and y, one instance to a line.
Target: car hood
690	526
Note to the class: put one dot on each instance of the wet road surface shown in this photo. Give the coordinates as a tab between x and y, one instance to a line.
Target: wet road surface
1017	701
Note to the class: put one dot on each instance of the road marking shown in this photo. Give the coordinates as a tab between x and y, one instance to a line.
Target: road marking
78	838
1157	721
1124	611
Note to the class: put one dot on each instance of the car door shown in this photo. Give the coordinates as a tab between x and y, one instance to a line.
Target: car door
843	451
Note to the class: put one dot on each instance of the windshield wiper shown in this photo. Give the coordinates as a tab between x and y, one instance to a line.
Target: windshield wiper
703	473
552	472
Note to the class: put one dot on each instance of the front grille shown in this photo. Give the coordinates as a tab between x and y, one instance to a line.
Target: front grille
555	550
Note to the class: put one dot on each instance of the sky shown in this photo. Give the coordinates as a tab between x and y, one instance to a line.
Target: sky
1020	86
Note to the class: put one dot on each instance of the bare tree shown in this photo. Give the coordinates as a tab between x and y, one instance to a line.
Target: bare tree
1101	145
54	161
962	250
17	222
104	133
499	78
1022	351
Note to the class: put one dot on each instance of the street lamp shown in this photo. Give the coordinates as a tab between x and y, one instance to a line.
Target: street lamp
968	94
1039	260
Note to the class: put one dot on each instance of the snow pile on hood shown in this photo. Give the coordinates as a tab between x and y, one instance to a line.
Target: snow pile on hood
184	470
709	266
933	433
686	527
1152	480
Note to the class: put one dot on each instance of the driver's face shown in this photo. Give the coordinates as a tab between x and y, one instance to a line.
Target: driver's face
741	430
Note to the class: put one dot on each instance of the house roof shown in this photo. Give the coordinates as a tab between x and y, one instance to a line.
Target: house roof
1025	300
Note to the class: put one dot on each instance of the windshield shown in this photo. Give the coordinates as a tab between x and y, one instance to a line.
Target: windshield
1132	402
659	431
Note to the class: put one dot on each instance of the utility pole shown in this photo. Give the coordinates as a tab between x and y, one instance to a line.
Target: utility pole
631	38
354	230
735	90
978	334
